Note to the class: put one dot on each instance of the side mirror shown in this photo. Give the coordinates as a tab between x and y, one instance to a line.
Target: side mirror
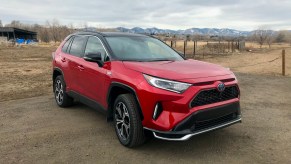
94	57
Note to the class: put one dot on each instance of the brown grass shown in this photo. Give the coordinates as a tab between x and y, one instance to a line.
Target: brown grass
26	71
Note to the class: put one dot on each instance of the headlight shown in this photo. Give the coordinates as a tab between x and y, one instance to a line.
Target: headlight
169	85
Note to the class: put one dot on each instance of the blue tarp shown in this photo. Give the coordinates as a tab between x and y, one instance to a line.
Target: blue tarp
20	41
28	41
23	41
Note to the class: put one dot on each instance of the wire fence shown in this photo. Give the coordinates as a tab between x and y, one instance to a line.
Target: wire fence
201	49
198	49
270	61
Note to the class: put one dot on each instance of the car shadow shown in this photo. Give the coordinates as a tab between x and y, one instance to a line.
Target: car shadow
219	141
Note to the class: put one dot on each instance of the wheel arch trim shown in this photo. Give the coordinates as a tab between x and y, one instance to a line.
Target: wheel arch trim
127	88
59	70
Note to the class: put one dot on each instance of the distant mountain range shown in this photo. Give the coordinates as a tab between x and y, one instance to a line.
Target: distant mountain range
190	31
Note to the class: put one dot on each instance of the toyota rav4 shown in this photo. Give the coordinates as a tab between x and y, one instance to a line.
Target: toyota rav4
144	86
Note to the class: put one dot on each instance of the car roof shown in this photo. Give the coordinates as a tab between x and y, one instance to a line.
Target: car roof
108	34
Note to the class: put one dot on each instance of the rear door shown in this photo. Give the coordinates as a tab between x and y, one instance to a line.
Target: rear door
64	63
75	57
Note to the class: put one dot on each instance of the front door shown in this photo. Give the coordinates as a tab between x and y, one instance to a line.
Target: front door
92	77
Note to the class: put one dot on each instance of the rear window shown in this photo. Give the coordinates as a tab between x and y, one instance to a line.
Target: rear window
77	46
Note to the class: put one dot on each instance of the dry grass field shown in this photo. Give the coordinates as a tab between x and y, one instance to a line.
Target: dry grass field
34	130
26	71
267	62
254	60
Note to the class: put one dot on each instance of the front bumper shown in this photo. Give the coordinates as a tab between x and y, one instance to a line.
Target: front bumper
201	122
174	107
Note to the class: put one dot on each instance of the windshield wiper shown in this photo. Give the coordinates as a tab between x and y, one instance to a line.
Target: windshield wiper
136	60
161	60
133	60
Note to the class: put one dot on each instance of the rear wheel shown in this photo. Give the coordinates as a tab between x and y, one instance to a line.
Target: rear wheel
61	97
127	121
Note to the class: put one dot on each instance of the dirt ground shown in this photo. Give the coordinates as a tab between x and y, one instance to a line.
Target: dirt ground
34	130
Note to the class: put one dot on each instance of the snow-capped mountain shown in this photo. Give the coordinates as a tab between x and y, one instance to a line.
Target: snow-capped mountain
191	31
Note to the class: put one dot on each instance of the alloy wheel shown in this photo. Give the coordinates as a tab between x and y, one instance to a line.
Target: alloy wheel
59	92
122	121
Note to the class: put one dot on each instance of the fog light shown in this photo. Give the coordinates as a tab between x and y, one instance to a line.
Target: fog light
157	111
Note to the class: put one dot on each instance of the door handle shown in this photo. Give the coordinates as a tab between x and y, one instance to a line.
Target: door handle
63	59
81	67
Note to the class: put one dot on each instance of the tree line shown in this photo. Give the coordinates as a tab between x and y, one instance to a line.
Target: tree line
263	35
54	31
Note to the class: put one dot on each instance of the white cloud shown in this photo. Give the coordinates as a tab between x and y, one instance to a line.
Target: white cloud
172	14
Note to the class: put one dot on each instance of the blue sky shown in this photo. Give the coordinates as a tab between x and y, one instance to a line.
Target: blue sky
170	14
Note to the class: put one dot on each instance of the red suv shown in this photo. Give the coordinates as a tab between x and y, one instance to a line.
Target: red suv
143	85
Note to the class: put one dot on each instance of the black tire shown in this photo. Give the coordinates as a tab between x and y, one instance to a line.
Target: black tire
61	97
135	134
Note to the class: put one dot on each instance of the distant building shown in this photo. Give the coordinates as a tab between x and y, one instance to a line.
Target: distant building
16	33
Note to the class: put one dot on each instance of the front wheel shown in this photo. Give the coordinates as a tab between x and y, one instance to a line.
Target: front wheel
127	121
61	97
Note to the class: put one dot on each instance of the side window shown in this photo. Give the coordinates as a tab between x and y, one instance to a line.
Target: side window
77	46
94	45
66	45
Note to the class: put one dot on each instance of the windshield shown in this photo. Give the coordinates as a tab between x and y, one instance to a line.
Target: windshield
138	48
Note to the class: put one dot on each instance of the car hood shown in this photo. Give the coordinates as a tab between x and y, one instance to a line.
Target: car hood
178	70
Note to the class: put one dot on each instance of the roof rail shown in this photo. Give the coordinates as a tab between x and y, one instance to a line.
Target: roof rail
88	32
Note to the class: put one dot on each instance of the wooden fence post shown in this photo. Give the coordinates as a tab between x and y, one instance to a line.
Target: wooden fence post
203	50
194	49
283	62
184	48
219	47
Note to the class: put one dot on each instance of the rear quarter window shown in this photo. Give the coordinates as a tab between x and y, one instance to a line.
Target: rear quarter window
66	45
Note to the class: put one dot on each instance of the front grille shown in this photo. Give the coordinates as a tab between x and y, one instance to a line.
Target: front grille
213	122
214	96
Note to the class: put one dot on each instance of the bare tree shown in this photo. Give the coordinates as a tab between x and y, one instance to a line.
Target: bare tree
71	28
283	36
261	35
44	35
188	38
288	37
14	23
1	25
54	29
64	31
270	38
101	29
